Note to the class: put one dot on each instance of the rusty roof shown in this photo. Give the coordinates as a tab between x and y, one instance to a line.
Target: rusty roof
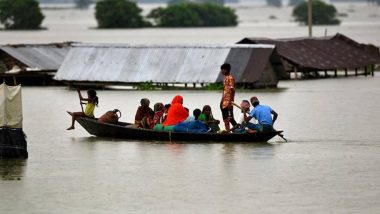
324	53
38	56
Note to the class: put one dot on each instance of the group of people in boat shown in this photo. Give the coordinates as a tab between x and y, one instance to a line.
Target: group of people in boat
175	117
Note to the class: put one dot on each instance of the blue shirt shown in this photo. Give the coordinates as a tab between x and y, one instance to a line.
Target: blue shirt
262	114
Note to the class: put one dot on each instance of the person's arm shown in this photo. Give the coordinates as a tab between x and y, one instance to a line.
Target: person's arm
82	98
274	115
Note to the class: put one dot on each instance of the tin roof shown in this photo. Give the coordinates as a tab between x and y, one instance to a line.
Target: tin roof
325	53
119	63
42	57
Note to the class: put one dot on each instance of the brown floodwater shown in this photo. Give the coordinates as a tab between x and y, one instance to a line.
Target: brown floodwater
330	164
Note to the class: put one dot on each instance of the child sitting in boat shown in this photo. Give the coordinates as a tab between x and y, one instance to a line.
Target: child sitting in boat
92	101
208	119
194	126
159	109
143	111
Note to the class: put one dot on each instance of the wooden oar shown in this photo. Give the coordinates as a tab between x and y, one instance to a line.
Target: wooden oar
279	134
80	101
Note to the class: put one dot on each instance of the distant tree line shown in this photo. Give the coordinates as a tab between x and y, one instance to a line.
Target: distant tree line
126	14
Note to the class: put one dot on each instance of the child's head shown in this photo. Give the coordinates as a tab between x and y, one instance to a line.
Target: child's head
145	102
225	69
158	107
91	93
167	106
151	114
206	110
196	113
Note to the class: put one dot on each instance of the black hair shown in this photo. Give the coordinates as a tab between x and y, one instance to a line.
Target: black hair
92	95
196	113
226	66
167	106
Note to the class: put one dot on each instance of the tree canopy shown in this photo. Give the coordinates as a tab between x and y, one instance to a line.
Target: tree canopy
194	15
20	14
323	14
119	14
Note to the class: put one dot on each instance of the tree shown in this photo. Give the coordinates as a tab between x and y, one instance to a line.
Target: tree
119	14
20	14
82	4
274	3
323	14
194	15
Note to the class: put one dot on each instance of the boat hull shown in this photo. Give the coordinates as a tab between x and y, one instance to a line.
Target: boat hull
122	131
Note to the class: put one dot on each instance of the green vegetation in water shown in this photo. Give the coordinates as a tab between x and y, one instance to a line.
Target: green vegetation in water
20	14
119	14
189	14
146	86
323	14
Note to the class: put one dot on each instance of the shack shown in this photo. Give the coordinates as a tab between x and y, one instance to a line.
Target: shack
31	64
310	56
120	64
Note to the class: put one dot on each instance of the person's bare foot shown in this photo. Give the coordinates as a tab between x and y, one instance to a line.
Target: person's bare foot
250	131
70	128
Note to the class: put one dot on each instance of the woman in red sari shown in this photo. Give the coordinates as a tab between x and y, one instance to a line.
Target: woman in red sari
177	113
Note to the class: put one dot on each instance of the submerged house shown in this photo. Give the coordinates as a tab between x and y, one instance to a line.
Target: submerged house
107	64
31	64
311	55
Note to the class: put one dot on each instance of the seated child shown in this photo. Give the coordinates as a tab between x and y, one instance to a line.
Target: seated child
158	113
143	111
208	119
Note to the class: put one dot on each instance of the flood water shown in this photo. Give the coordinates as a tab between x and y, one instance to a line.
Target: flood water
330	164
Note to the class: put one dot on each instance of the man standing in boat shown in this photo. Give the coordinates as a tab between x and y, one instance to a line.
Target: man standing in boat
227	97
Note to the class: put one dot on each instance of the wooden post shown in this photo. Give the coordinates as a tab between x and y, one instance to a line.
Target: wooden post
194	85
295	73
185	85
373	70
345	72
335	73
14	80
325	74
356	72
365	71
310	17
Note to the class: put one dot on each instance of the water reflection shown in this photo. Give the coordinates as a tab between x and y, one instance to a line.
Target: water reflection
12	169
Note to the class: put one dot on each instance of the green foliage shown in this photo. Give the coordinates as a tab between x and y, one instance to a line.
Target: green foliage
294	3
146	86
214	86
323	14
274	3
194	15
82	4
119	14
20	14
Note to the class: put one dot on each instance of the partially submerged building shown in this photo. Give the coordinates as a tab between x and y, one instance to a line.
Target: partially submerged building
106	64
31	64
311	55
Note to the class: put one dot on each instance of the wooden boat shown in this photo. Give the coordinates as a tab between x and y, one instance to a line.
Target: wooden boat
123	131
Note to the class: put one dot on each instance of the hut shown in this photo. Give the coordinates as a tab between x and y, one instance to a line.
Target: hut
31	64
310	56
107	64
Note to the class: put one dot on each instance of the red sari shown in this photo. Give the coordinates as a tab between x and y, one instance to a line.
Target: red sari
177	113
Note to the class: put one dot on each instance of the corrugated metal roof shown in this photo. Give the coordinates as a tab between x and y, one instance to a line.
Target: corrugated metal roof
42	57
337	52
160	64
